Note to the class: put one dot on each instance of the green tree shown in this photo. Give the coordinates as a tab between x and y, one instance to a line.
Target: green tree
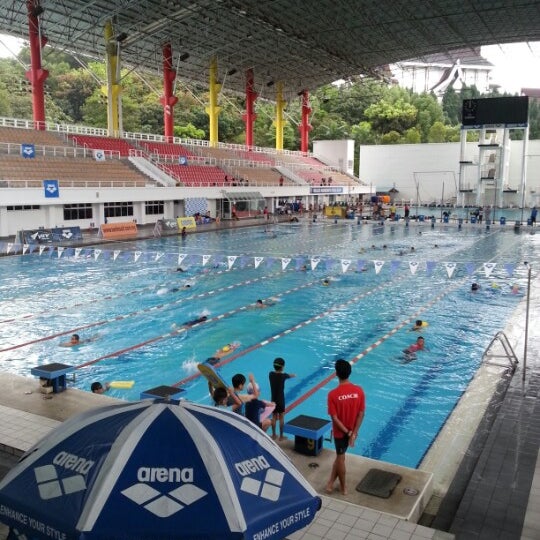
18	101
392	137
429	112
534	119
329	126
189	132
452	133
151	114
451	104
385	116
5	104
437	133
350	99
363	134
412	136
94	110
72	90
363	108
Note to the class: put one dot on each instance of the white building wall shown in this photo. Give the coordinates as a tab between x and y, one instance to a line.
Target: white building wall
386	166
338	154
27	219
51	210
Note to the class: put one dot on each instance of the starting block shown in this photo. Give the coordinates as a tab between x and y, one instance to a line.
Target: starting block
163	391
53	376
308	433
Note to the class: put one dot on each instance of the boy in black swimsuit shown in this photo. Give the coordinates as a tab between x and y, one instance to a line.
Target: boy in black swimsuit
277	389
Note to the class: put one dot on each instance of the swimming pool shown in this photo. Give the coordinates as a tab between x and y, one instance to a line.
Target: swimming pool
131	301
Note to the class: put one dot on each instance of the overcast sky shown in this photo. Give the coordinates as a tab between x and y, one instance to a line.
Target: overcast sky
516	66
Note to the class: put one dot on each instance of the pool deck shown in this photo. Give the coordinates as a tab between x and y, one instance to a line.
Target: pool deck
481	480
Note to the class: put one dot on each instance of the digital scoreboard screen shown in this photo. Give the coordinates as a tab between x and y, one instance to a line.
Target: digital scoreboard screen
505	111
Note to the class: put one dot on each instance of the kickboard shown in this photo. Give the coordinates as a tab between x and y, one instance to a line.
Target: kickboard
121	384
211	375
268	410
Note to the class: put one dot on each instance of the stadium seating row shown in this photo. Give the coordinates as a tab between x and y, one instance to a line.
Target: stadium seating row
72	171
306	167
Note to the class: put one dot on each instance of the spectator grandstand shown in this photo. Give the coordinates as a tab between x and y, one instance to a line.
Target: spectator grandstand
122	146
30	136
70	172
196	175
166	149
204	166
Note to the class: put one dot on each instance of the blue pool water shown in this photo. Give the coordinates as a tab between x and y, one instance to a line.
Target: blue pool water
131	303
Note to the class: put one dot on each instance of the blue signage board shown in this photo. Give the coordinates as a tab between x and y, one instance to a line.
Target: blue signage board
51	189
28	151
326	190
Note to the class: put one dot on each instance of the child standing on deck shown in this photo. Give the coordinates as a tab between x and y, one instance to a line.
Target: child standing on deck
277	389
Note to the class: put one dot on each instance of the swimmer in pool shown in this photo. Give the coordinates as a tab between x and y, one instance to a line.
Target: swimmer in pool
409	354
415	347
226	349
260	304
164	290
189	324
76	340
326	282
419	325
98	388
475	287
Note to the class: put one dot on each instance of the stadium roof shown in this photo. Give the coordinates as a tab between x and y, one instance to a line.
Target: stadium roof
302	43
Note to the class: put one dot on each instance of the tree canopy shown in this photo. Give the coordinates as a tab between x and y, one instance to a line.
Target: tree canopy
364	109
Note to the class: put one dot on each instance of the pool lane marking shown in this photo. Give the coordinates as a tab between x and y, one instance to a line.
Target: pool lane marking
169	304
297	326
277	336
375	344
184	328
114	297
139	312
109	297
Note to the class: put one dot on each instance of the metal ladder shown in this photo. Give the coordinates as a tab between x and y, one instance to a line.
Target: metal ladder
509	353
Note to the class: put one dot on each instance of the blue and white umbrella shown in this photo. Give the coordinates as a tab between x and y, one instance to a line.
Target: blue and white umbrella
156	470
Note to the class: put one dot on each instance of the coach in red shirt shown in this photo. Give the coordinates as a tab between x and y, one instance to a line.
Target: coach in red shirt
346	406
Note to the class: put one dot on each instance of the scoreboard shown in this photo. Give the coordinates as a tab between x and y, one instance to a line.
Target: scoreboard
499	111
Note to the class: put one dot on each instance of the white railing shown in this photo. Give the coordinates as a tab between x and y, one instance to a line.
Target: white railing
191	160
23	184
193	143
246	164
103	132
56	151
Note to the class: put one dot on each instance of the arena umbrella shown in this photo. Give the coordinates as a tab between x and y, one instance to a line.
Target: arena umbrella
153	470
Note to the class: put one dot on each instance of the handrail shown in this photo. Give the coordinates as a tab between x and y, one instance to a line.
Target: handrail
43	150
78	184
103	132
193	144
509	353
